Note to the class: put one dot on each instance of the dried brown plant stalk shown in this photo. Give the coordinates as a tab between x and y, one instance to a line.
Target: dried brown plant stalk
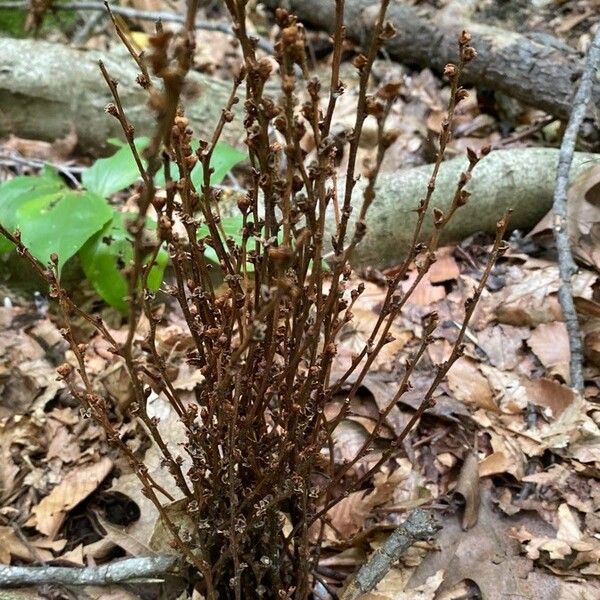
261	475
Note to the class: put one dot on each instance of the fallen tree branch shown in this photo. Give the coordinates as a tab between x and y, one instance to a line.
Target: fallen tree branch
566	264
538	71
420	525
520	178
142	15
148	569
35	106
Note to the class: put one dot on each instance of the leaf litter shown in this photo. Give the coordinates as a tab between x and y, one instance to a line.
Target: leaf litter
508	457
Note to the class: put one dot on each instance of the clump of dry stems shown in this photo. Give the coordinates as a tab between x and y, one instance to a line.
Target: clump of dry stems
262	475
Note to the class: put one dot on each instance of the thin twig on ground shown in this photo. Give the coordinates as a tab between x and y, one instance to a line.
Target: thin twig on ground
147	569
143	15
566	264
420	525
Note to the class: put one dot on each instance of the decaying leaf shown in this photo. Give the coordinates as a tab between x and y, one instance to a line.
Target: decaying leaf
49	514
468	487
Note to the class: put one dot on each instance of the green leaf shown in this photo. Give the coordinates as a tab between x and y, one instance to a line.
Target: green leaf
109	175
106	253
18	191
224	158
61	222
232	226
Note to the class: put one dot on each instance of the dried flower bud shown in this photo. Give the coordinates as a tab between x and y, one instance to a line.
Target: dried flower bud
282	15
390	90
374	107
486	150
463	197
464	178
388	32
464	38
244	203
461	94
469	53
438	217
360	62
181	123
450	70
264	68
64	370
143	81
190	161
111	109
472	156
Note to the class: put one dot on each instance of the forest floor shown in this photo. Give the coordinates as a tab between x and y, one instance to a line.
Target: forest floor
508	457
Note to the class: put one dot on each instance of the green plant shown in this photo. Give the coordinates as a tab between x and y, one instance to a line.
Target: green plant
254	481
56	220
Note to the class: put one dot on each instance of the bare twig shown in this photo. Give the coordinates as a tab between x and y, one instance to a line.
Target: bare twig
566	264
148	569
143	15
420	525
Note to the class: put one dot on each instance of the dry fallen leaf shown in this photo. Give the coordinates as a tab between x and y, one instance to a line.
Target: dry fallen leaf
12	545
49	515
468	487
469	385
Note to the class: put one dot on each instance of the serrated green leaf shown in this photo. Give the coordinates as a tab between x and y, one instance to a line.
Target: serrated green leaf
106	253
18	191
109	175
61	222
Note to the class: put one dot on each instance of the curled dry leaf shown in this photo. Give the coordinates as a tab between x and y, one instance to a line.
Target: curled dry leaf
468	487
584	217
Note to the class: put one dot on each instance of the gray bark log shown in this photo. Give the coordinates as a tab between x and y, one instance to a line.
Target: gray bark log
537	70
521	179
46	88
131	569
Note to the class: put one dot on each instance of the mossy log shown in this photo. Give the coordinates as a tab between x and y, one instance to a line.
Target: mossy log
46	89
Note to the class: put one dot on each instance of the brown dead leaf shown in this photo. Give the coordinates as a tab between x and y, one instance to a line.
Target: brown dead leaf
135	538
348	516
445	267
392	587
569	539
502	344
506	457
49	515
550	343
425	293
355	334
468	487
470	386
550	395
348	438
13	546
487	556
